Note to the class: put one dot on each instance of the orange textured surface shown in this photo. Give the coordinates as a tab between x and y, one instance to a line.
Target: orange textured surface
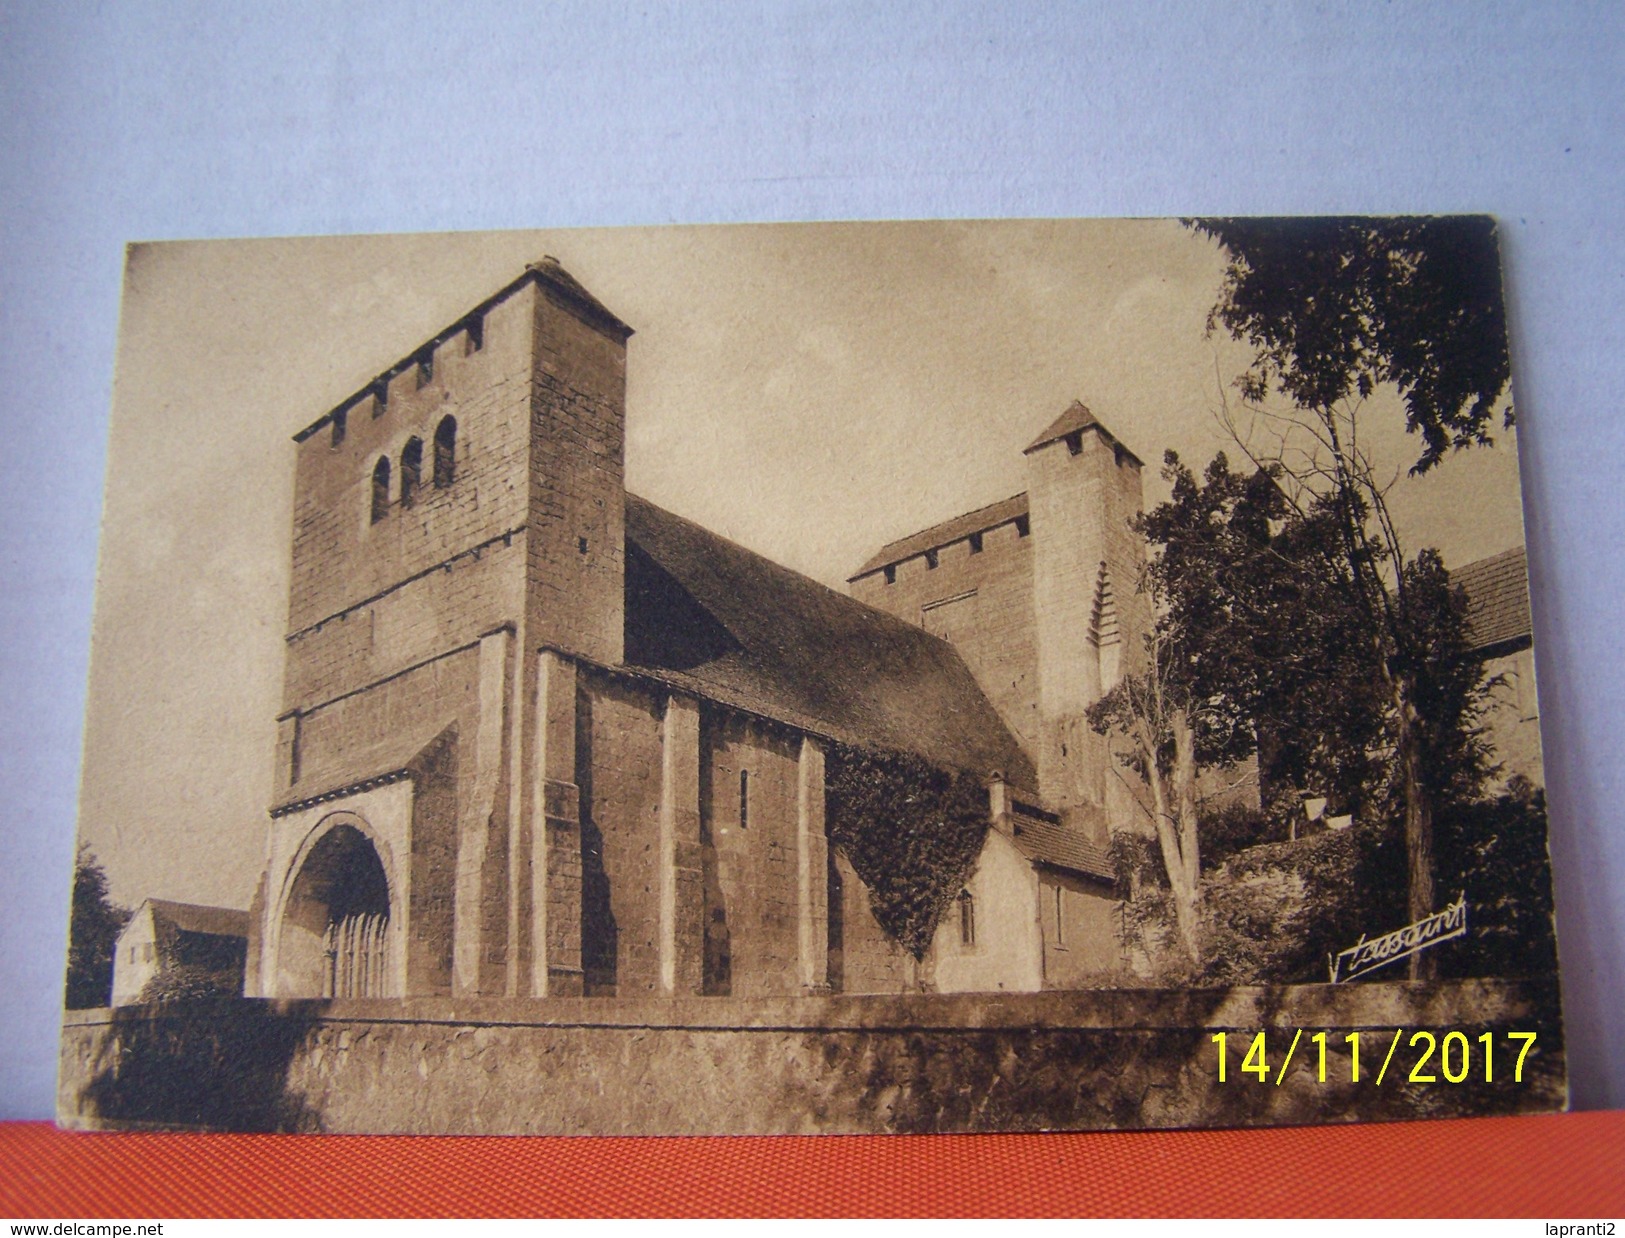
1559	1165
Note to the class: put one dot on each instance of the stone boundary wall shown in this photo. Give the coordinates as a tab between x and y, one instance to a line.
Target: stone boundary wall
974	1062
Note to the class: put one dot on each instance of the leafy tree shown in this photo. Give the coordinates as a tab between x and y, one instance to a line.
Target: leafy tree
1495	851
1153	708
1334	309
1259	650
1187	706
1257	604
1451	691
94	925
1250	641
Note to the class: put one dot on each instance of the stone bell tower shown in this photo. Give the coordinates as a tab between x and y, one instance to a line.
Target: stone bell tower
1083	490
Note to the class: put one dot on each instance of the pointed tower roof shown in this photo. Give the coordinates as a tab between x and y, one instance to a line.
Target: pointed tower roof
1075	419
549	271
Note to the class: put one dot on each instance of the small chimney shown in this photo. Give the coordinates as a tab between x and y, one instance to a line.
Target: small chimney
998	801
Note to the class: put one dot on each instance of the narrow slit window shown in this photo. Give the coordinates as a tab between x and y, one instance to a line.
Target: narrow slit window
1074	442
967	919
445	452
474	336
380	399
891	573
339	419
976	543
380	489
1023	526
426	368
930	560
1060	918
744	799
411	470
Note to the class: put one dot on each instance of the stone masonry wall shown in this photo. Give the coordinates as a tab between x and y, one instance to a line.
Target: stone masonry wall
1009	1062
576	579
731	915
1081	504
340	556
618	761
751	881
869	959
357	736
371	600
449	607
982	603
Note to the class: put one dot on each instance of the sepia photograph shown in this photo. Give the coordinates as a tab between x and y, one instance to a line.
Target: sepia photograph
825	678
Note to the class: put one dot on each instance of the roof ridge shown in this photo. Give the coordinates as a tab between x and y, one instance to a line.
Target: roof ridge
175	902
847	598
887	553
1511	552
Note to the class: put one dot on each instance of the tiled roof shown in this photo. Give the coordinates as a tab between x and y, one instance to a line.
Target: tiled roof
747	632
549	271
195	918
1077	417
334	770
1497	598
1061	847
938	535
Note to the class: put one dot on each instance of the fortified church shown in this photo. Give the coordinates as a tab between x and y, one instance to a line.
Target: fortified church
541	737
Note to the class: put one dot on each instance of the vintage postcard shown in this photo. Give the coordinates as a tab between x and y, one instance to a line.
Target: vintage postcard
972	676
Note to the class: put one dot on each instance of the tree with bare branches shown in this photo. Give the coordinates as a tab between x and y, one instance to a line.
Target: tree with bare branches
1250	647
1336	309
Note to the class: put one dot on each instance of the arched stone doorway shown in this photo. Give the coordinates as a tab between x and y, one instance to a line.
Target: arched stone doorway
335	939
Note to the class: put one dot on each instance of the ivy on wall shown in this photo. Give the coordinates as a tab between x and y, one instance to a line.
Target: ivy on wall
912	833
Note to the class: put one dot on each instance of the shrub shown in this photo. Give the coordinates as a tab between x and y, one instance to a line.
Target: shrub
1232	827
1495	852
188	982
1274	913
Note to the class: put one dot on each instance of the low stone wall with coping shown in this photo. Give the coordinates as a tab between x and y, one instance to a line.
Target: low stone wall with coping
966	1062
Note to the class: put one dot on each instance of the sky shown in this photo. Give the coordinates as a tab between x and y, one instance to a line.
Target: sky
810	391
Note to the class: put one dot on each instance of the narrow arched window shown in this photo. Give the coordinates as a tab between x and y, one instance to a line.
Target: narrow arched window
380	489
445	452
411	470
967	919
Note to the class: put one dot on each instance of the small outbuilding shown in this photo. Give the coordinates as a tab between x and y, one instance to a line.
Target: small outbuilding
1038	912
164	938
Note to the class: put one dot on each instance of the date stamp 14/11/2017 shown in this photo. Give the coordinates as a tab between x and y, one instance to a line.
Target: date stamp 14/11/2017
1454	1057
